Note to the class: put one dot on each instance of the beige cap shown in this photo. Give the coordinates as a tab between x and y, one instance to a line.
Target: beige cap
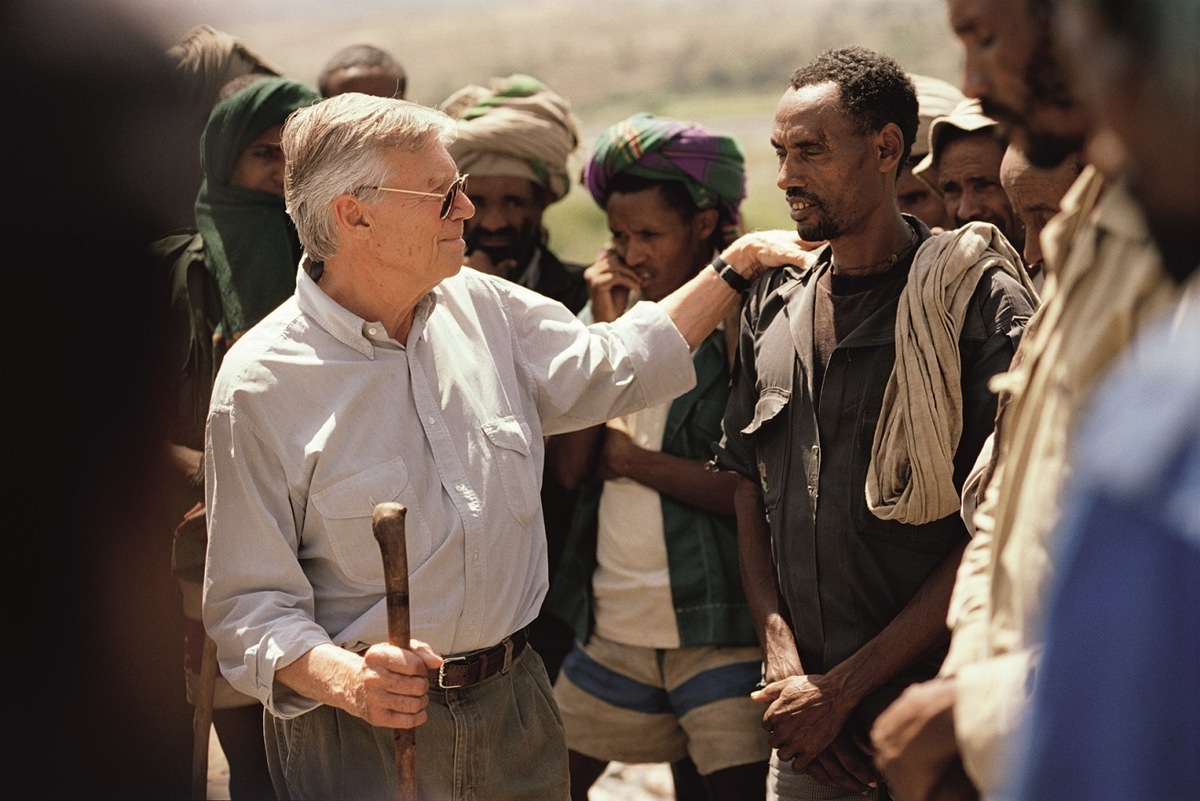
936	98
967	116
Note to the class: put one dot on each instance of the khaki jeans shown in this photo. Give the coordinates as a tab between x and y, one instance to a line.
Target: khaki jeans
499	740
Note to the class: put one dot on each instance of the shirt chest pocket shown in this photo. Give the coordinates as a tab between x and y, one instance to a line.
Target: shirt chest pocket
512	456
768	429
346	508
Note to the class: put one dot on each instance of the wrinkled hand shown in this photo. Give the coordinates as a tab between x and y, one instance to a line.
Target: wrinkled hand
914	739
756	252
616	454
609	282
846	765
393	685
802	718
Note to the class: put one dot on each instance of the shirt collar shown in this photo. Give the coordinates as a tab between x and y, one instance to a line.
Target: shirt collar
349	328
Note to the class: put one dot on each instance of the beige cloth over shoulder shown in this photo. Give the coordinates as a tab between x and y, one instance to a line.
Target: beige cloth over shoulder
911	474
1104	282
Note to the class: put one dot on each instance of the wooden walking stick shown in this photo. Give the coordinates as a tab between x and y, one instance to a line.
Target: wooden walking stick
387	522
202	719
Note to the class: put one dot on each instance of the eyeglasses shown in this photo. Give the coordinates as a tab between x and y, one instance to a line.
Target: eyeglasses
451	195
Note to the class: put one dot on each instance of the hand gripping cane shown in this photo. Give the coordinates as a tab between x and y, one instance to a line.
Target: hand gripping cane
387	522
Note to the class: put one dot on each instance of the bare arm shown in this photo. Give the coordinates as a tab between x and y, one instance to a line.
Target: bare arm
386	686
760	584
571	457
686	480
809	713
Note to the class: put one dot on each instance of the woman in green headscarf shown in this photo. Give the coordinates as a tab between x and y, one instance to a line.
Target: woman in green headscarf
227	275
250	244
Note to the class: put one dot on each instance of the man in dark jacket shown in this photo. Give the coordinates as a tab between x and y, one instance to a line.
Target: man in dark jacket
858	406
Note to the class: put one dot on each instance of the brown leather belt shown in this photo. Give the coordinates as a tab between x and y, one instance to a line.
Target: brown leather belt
467	669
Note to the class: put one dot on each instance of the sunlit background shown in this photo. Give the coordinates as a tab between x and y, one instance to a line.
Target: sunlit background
720	64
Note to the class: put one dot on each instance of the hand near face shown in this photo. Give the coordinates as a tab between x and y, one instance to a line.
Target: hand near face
480	260
609	282
756	252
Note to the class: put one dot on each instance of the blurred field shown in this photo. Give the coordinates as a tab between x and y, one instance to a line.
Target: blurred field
720	64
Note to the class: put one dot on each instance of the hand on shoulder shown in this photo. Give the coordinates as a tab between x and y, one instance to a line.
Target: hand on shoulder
753	253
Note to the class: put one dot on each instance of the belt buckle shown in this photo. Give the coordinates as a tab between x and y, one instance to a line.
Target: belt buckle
456	660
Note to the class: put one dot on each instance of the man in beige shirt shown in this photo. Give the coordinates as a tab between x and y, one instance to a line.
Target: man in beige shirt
953	736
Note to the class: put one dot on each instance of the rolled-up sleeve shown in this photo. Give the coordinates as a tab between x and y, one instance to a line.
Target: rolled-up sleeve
604	370
258	604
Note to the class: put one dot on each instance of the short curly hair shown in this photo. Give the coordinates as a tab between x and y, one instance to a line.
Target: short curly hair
874	90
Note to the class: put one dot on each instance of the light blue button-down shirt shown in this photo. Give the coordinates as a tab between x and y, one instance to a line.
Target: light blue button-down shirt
317	415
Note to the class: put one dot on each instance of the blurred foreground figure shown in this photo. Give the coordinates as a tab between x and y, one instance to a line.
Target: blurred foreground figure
956	735
1128	595
91	170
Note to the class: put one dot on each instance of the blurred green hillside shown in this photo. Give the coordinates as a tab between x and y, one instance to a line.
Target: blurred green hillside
723	65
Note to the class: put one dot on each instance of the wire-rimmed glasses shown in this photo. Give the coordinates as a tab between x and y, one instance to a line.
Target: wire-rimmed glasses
451	194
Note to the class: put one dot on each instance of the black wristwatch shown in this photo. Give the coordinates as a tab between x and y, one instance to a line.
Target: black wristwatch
737	282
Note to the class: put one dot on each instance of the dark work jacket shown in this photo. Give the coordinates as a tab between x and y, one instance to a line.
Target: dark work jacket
843	573
706	586
562	281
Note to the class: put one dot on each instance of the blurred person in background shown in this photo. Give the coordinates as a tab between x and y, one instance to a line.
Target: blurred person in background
923	198
363	68
205	60
237	264
1036	195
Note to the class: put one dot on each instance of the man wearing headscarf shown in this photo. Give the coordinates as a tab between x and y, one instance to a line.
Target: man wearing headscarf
224	277
666	653
921	197
205	60
515	140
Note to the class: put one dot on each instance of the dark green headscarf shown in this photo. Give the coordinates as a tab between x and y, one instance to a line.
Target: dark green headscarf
250	242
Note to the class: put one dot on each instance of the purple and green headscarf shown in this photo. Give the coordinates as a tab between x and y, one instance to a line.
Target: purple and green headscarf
711	166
